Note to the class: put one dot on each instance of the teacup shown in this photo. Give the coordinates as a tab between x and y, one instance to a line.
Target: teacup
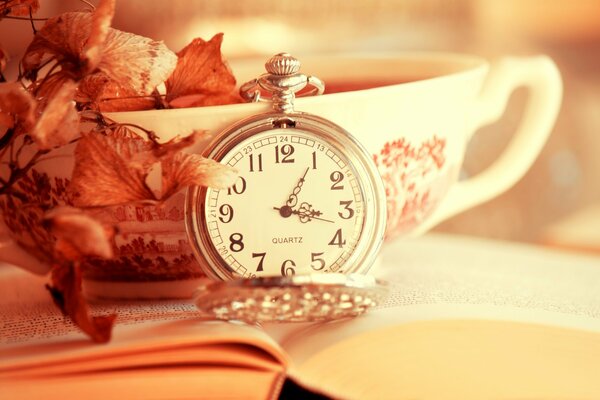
415	114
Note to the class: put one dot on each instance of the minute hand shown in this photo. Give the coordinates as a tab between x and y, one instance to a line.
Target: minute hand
306	216
306	213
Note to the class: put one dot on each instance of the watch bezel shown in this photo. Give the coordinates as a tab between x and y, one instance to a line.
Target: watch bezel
373	229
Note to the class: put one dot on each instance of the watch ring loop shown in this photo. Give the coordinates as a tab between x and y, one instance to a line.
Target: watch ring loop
253	91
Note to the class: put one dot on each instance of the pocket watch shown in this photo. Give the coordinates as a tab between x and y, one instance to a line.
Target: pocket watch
308	198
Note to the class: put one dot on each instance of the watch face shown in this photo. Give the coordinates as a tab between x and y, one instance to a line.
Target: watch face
298	206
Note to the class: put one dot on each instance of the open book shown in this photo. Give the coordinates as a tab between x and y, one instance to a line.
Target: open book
467	318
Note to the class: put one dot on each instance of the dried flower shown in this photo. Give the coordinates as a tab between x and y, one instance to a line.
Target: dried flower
75	68
59	123
18	8
68	296
99	29
78	234
201	77
88	49
114	169
110	96
180	170
16	107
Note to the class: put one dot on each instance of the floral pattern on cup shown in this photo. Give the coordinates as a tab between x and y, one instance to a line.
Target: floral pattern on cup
24	207
151	245
408	173
145	251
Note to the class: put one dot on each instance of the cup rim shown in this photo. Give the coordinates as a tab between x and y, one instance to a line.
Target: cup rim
456	64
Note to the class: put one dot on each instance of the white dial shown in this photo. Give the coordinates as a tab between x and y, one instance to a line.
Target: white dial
308	199
296	206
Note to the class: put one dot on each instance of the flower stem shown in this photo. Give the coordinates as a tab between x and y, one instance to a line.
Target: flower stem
17	173
26	19
31	21
6	138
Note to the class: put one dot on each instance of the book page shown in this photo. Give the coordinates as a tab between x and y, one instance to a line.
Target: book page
467	318
453	277
185	382
36	339
459	359
28	313
443	269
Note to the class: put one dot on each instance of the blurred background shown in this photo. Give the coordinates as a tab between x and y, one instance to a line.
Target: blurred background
557	202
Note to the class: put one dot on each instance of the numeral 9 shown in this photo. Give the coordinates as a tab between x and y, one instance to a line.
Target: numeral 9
226	212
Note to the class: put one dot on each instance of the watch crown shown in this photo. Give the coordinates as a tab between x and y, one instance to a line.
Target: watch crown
282	64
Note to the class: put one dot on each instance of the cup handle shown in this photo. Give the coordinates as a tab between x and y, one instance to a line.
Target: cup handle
541	76
12	253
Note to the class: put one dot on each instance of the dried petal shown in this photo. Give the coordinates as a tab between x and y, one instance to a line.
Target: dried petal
84	45
201	72
67	295
103	173
59	123
125	102
136	62
108	96
48	87
90	87
164	151
18	8
62	38
101	20
176	144
17	106
115	169
78	234
183	170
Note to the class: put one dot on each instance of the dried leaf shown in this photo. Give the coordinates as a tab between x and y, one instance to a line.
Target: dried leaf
18	8
90	87
183	170
176	144
100	26
63	38
47	88
103	173
201	73
67	295
114	169
78	234
59	122
85	45
17	106
136	62
108	96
